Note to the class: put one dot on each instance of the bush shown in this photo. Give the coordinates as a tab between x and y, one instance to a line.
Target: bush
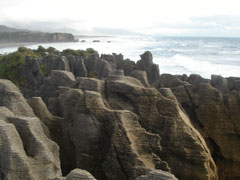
93	74
79	52
11	63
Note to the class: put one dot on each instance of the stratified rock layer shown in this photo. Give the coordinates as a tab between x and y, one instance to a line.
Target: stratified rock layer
213	106
117	126
25	151
119	129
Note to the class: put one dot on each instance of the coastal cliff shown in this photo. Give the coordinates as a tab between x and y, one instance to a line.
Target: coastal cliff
11	35
73	113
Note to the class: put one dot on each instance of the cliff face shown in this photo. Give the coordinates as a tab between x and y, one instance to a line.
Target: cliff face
213	107
28	36
141	126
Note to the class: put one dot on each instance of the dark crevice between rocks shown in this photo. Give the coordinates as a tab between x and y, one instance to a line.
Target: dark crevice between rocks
104	144
120	163
70	165
2	176
191	111
216	153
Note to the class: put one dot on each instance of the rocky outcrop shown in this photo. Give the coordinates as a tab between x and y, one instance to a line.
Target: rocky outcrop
157	175
25	151
213	106
78	174
94	119
146	64
119	129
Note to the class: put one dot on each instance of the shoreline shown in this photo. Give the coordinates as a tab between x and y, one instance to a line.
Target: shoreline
14	44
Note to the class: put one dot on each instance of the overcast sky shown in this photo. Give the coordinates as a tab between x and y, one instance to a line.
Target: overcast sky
158	17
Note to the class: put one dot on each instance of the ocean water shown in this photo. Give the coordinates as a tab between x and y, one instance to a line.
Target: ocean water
175	55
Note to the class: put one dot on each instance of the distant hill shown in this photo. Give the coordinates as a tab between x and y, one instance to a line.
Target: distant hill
8	34
9	29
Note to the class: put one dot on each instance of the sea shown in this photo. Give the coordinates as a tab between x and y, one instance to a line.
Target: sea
174	55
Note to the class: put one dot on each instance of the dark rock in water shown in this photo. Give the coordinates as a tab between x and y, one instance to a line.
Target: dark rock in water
146	64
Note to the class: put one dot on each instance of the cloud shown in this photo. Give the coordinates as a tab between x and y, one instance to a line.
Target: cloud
172	17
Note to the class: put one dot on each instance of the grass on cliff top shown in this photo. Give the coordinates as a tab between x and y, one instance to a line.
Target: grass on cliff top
81	53
11	63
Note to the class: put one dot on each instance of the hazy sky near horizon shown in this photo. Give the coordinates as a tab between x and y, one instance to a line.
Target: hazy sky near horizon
159	17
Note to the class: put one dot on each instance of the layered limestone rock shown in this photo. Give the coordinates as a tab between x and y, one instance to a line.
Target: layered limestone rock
157	175
79	174
116	126
214	111
25	151
118	129
146	64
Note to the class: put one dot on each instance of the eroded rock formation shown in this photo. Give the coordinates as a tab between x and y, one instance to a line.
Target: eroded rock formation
213	107
117	119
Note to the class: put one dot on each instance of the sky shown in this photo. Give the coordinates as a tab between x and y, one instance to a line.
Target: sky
147	17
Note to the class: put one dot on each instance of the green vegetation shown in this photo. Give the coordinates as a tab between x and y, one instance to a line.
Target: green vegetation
44	69
51	50
82	53
41	51
11	63
93	74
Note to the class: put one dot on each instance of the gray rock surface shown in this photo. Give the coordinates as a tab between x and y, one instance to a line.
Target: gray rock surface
146	64
141	76
57	78
157	175
213	107
79	174
25	150
122	130
55	63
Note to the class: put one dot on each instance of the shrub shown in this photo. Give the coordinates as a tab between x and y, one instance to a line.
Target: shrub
93	74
